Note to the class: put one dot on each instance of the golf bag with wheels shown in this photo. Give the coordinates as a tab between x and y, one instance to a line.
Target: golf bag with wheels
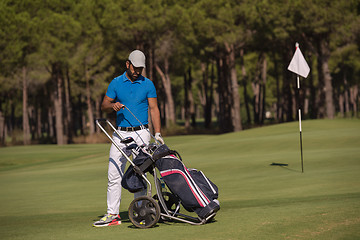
195	191
184	186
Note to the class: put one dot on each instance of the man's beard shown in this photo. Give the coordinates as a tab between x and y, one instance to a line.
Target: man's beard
132	76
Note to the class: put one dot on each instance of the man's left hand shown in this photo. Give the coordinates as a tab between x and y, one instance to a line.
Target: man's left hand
159	138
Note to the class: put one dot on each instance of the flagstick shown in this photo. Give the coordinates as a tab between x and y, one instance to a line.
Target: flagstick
299	66
302	162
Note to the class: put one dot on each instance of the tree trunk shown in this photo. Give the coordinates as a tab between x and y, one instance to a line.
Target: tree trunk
295	97
2	128
224	104
320	94
150	68
50	126
202	90
191	99
235	106
186	103
210	99
354	95
190	119
306	101
69	123
11	122
26	127
313	108
324	58
58	105
277	77
98	113
287	96
169	104
90	111
207	93
31	116
256	87
256	99
341	104
259	88
346	98
244	82
38	123
263	93
78	116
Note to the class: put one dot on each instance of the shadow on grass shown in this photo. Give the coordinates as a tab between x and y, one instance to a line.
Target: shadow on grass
124	216
284	166
162	221
169	222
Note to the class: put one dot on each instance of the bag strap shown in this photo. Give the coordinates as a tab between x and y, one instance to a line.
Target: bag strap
177	154
163	151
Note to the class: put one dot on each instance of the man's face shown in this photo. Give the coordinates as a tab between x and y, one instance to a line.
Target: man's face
133	72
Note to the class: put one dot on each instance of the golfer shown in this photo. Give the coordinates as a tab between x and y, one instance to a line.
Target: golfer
138	94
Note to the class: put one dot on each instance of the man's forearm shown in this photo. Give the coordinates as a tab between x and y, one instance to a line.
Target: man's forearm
107	106
155	118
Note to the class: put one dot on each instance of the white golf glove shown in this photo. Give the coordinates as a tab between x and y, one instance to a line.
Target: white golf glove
159	138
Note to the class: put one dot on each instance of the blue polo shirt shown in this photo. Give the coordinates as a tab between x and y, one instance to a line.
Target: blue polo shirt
134	95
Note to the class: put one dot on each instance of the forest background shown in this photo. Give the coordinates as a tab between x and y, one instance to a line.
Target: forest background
218	66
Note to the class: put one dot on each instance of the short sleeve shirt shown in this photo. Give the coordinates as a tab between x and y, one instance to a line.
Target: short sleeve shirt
134	95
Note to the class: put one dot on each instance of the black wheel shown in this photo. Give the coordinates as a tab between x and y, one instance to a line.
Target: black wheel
171	201
144	212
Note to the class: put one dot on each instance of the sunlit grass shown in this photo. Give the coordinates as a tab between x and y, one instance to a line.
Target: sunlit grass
56	192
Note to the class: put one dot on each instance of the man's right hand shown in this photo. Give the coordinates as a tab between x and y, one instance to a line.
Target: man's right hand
117	106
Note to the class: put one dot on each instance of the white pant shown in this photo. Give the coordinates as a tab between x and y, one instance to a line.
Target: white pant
117	164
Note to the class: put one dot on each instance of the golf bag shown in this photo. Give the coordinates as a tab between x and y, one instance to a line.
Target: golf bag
196	192
132	181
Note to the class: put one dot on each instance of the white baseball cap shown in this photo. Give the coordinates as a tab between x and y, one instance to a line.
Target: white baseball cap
137	58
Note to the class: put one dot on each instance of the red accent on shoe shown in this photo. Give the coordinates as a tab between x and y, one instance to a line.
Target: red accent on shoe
114	222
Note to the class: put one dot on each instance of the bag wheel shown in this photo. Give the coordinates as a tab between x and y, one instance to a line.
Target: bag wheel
171	201
144	212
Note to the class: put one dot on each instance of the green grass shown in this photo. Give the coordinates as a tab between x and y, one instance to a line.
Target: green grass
56	192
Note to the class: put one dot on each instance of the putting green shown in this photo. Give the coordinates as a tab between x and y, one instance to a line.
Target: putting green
56	192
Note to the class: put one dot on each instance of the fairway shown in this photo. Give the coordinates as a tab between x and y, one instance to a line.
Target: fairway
57	192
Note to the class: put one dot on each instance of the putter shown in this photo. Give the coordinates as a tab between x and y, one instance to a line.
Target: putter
142	125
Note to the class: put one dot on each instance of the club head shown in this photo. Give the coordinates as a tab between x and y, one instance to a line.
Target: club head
127	140
132	146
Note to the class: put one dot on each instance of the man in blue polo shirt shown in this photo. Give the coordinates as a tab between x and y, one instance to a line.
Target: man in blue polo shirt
138	94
